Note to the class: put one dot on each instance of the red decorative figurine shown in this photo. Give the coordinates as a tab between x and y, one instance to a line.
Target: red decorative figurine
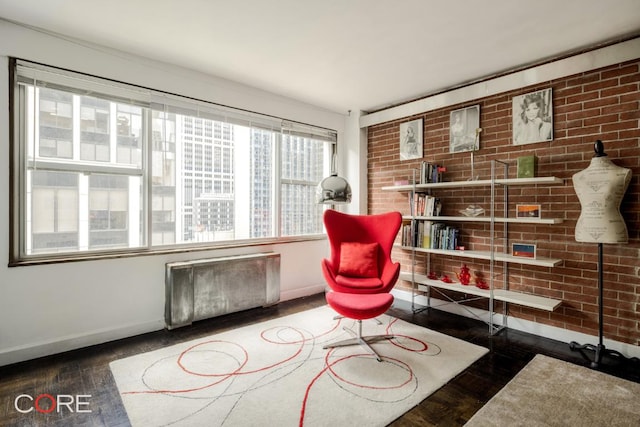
464	276
480	282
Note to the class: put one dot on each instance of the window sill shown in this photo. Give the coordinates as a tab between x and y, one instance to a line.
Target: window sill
93	256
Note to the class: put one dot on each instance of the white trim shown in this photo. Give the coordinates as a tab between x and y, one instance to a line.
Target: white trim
545	331
46	348
598	58
73	342
302	292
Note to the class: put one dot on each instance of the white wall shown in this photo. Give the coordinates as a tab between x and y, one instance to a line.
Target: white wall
353	164
52	308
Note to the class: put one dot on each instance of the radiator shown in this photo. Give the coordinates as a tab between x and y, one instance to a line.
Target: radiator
205	288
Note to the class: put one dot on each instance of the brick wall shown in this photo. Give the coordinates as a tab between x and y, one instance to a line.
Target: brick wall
602	104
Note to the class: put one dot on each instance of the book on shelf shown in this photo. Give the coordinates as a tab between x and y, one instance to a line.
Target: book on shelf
444	236
425	234
423	204
430	235
431	172
407	235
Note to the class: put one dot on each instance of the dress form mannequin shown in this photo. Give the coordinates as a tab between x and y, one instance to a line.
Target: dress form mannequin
600	188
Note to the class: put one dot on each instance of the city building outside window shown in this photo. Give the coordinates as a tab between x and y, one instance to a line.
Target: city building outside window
104	167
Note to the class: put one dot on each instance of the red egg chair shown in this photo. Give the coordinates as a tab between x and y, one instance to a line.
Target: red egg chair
360	272
361	245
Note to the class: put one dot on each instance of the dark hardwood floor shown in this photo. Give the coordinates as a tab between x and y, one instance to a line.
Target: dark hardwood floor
86	371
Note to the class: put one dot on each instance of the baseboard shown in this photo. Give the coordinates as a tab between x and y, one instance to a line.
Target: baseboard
302	292
47	348
546	331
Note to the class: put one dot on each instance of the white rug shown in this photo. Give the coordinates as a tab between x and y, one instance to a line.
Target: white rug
551	392
277	374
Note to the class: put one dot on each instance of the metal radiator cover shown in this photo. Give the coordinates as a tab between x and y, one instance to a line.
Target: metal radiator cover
205	288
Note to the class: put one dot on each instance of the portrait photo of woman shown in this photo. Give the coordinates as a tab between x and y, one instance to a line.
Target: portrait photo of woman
533	117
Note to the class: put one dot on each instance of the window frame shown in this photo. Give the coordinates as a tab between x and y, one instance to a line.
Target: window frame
20	163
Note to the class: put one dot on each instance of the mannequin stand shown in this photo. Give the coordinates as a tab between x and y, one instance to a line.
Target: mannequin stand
600	350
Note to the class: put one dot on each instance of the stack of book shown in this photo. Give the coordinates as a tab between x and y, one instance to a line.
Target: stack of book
444	236
431	172
425	205
430	235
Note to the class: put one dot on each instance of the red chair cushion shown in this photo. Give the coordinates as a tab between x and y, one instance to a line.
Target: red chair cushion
359	283
359	306
358	259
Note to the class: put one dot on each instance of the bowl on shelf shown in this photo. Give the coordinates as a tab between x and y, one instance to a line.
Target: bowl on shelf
472	210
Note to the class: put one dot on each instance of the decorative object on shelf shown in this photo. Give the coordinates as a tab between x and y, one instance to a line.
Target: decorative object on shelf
446	279
473	161
333	190
528	211
527	166
411	140
479	281
432	275
525	250
532	117
464	276
472	210
461	128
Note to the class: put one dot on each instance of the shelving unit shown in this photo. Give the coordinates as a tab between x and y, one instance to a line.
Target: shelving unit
477	183
493	294
486	255
541	221
504	295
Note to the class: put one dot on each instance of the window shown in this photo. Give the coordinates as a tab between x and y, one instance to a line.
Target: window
54	211
101	166
302	170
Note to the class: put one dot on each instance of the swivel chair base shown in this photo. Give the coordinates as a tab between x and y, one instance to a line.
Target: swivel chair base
358	339
342	317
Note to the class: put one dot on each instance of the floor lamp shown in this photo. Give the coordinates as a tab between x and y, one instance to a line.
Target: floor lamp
333	190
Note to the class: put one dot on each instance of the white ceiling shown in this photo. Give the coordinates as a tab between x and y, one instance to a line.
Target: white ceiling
339	54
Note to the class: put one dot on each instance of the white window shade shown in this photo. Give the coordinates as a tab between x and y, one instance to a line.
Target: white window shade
196	173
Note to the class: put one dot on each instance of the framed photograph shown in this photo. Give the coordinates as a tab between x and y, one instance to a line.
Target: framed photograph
525	250
411	140
528	211
533	117
463	125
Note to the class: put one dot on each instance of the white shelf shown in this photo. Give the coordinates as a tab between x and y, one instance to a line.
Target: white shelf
546	180
540	221
513	297
423	283
486	255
